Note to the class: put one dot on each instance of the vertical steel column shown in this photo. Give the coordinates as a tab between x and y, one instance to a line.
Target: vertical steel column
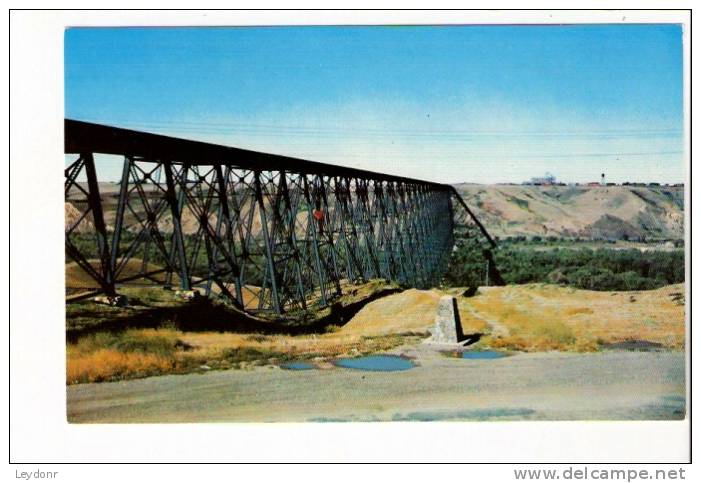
366	225
175	212
420	215
352	219
268	243
291	237
214	269
347	252
180	203
398	248
327	221
385	243
371	221
415	240
95	203
315	242
119	218
225	213
192	206
404	233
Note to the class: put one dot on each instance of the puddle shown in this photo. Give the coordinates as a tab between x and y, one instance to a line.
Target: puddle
297	366
482	355
384	363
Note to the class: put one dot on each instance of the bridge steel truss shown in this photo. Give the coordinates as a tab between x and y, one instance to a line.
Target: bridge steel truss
270	233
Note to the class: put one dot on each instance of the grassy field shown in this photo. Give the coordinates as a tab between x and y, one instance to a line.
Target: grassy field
541	317
145	352
160	333
106	344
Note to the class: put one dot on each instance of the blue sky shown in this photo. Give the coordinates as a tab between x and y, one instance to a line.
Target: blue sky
451	104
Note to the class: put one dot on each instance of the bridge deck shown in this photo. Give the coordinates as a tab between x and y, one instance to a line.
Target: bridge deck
85	137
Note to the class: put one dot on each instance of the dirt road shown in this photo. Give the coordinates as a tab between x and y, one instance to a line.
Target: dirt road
547	386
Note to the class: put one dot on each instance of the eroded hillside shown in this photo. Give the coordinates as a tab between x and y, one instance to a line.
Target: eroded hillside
609	212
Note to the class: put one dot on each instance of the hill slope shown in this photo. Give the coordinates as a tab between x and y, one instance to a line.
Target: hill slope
611	212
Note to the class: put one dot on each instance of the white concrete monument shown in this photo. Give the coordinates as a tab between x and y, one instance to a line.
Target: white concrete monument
447	328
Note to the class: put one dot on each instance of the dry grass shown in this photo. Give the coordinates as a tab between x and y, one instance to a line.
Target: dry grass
102	347
144	352
411	310
110	364
547	317
132	353
106	356
380	325
526	318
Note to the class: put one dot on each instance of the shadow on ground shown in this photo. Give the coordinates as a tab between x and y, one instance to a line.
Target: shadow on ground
204	314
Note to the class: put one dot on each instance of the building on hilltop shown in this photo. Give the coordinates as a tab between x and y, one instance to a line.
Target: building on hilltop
547	180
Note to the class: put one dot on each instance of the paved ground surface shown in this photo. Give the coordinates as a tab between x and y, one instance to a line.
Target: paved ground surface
547	386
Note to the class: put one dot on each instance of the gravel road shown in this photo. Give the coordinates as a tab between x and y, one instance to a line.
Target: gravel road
612	385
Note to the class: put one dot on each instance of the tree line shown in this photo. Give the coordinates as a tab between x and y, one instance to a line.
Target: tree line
603	269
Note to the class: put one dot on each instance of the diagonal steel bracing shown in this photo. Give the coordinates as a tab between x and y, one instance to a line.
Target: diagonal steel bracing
268	233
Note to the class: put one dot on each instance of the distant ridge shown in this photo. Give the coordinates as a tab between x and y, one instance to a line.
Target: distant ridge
592	212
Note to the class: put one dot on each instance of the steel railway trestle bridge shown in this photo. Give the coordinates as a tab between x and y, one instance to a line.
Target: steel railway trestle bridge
269	233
